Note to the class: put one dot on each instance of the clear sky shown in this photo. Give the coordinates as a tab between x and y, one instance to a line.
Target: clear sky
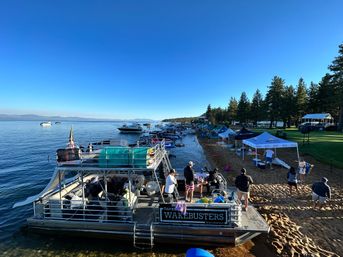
157	59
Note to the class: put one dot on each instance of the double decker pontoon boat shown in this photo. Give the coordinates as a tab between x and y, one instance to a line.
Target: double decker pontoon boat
116	193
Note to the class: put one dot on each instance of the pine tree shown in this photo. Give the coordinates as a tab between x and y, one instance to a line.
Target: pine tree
232	110
301	100
288	106
274	99
337	81
210	115
243	109
327	100
313	98
256	108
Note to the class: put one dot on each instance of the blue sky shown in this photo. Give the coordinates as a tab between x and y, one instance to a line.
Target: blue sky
157	59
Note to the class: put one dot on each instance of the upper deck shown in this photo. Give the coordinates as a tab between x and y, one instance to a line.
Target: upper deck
115	159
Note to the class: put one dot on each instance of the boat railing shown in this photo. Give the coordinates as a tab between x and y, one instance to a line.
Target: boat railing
133	160
79	210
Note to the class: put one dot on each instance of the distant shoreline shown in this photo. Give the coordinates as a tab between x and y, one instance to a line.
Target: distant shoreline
33	117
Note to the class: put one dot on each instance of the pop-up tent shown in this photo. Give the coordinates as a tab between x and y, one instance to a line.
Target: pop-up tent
227	133
244	134
266	140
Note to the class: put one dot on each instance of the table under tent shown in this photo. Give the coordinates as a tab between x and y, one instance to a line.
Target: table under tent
268	141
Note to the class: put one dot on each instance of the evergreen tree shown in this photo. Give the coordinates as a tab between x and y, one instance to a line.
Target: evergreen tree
301	101
232	110
288	106
243	109
274	99
210	115
327	100
256	108
313	98
337	81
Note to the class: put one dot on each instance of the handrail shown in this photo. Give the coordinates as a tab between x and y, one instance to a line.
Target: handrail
94	210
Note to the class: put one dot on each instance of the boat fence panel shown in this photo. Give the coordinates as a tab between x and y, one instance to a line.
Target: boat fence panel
93	210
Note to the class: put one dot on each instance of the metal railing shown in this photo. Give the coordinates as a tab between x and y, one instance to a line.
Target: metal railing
94	210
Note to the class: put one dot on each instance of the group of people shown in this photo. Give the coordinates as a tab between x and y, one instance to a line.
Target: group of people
170	188
320	190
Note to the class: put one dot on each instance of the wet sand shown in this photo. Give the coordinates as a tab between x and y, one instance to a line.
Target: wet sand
297	229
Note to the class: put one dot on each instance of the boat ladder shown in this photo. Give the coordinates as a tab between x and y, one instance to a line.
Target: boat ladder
143	236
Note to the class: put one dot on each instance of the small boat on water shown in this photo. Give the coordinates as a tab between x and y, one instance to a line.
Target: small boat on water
57	122
134	128
46	124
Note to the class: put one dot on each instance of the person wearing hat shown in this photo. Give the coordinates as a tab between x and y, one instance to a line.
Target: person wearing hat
320	192
170	190
243	183
189	177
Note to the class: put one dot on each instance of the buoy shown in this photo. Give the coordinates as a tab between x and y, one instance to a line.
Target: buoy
198	252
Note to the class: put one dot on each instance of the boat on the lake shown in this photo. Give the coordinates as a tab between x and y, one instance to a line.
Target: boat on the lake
116	193
134	128
46	124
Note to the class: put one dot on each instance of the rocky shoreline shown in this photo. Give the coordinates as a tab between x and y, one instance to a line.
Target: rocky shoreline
296	228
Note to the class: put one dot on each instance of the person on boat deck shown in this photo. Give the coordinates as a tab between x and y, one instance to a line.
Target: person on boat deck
268	154
212	180
189	177
321	191
243	183
170	189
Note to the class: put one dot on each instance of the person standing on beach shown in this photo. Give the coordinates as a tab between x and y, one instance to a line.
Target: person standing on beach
292	180
243	183
321	191
302	169
189	177
269	157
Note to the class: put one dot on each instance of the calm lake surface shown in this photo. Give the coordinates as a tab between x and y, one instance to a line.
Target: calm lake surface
27	162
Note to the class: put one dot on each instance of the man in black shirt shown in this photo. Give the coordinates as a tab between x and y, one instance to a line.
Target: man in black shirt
243	183
189	177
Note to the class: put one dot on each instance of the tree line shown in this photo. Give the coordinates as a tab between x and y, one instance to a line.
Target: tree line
288	103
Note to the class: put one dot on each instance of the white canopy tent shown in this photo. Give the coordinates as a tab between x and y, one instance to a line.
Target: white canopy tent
227	133
266	141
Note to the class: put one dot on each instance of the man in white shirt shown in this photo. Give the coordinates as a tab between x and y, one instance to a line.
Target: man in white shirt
269	157
170	190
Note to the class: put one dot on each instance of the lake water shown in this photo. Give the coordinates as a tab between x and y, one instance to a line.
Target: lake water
27	162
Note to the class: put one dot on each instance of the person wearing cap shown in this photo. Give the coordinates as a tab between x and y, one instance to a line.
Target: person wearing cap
243	183
170	189
189	177
320	192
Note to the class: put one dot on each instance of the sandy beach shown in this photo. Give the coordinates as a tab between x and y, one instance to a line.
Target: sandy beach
296	228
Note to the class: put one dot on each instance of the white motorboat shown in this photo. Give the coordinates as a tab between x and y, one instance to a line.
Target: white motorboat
131	128
46	124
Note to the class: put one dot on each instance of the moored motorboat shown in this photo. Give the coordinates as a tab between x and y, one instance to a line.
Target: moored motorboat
131	128
46	124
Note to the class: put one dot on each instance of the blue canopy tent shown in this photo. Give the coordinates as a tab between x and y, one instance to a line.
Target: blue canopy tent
266	140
